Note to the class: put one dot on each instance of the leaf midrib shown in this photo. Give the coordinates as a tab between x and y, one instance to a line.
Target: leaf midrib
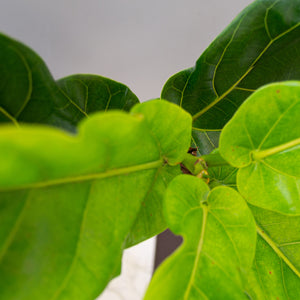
87	177
198	254
277	149
280	254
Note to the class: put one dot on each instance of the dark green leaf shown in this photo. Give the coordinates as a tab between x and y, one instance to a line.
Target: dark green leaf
28	92
260	46
266	147
92	93
219	243
223	175
205	141
67	203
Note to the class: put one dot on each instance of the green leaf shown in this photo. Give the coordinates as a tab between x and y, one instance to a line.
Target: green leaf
260	46
219	243
205	141
267	151
67	203
223	175
150	220
92	93
28	92
276	268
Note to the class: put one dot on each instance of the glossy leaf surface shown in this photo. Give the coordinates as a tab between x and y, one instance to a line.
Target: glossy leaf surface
219	243
267	152
276	268
65	217
260	46
28	92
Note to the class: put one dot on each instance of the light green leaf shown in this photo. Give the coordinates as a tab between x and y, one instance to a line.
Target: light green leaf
171	117
150	220
260	46
67	203
266	147
219	243
28	92
276	268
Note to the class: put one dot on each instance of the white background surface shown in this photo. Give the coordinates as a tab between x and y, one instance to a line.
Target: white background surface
139	43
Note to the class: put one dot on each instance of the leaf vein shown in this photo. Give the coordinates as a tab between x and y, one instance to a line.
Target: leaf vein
87	177
14	229
9	116
76	252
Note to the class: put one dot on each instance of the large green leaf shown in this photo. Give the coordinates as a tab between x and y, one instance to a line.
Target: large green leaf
276	268
263	140
219	243
28	92
150	220
260	46
67	203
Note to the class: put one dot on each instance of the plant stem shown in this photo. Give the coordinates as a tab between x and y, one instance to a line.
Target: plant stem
196	164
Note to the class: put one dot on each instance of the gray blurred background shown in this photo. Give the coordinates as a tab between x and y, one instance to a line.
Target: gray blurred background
139	43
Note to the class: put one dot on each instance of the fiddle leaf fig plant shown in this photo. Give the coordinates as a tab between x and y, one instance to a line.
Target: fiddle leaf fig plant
87	171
